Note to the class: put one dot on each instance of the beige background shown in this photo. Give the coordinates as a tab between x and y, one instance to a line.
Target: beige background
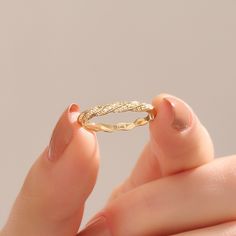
53	53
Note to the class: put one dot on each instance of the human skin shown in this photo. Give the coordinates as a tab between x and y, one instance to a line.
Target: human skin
175	188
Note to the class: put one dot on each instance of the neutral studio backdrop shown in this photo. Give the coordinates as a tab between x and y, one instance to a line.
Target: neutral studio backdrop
55	52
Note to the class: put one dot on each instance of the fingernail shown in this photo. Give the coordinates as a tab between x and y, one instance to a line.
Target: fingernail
96	227
63	132
182	114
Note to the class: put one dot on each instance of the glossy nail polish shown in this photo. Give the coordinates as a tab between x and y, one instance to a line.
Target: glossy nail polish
182	114
62	133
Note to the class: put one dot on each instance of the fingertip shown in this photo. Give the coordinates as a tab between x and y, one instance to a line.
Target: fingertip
177	134
160	125
174	115
83	139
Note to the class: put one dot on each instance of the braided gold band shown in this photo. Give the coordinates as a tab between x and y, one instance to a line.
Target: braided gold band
116	107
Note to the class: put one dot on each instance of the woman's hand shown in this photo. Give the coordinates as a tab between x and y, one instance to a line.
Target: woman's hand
170	191
52	198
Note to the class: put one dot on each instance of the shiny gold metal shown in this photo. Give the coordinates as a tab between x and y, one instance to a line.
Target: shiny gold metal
116	107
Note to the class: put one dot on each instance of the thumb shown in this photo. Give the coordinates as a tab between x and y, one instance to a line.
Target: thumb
178	139
51	200
178	142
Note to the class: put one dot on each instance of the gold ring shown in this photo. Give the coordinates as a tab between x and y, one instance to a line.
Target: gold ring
116	107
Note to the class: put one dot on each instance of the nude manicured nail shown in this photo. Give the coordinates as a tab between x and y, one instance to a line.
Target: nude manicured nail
63	132
181	112
96	227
